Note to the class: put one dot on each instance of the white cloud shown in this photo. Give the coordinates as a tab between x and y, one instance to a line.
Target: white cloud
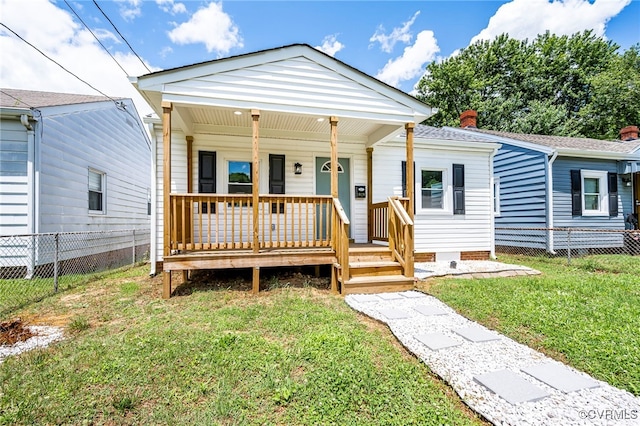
54	31
399	34
330	45
106	35
525	19
167	50
411	63
212	27
130	9
169	6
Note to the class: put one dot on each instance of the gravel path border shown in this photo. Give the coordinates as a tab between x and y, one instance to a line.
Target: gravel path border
43	337
470	269
458	365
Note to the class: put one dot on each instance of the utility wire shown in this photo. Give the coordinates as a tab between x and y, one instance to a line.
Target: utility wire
115	28
58	64
96	37
18	99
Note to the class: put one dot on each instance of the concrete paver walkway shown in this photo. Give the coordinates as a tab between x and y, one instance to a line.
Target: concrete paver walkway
504	381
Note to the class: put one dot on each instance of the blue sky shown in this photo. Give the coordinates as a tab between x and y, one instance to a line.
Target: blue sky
392	41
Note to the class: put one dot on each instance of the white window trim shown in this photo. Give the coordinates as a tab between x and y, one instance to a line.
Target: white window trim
496	196
604	194
103	183
446	192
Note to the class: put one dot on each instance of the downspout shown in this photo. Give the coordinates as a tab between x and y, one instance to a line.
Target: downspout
550	249
492	224
32	195
153	241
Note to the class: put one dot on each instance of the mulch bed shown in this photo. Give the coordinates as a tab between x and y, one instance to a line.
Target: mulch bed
13	331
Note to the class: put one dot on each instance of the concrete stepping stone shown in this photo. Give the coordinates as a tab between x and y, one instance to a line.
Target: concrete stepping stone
430	310
511	387
435	341
413	294
365	298
390	296
560	377
476	334
393	314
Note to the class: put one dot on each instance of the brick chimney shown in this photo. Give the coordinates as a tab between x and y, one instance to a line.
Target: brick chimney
629	133
468	119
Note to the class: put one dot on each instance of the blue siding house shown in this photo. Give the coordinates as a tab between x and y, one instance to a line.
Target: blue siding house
545	182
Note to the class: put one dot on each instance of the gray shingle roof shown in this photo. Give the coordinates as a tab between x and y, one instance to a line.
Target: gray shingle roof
562	142
438	133
17	98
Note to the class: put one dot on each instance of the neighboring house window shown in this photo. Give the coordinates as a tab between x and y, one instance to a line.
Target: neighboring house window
496	196
13	158
96	191
594	193
240	177
432	189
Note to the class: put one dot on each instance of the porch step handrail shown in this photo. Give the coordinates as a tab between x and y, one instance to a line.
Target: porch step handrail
340	243
401	235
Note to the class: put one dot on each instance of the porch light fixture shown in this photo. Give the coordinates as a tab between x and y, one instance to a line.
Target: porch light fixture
297	169
626	180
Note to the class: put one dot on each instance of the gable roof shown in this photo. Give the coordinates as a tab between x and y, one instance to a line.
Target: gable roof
26	99
291	79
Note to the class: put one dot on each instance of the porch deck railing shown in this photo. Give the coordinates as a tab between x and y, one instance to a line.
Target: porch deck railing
217	222
379	222
340	241
401	235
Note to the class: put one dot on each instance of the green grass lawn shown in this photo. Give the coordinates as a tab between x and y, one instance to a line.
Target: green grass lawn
217	356
586	314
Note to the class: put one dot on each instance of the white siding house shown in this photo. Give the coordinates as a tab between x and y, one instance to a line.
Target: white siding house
443	230
71	163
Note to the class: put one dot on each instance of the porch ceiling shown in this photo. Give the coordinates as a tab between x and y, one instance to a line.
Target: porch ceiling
216	120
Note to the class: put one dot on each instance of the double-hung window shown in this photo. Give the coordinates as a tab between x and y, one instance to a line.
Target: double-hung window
594	193
240	177
96	191
432	189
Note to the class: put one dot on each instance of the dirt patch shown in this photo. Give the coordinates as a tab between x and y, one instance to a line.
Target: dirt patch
13	331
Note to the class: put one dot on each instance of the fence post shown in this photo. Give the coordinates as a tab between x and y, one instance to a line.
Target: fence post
569	247
133	262
56	241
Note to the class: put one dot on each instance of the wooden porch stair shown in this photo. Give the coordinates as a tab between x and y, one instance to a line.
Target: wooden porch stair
373	270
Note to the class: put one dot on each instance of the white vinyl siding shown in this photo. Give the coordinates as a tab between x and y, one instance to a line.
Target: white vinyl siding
441	232
101	138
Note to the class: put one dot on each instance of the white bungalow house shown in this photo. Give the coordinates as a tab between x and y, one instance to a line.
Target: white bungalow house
271	159
69	163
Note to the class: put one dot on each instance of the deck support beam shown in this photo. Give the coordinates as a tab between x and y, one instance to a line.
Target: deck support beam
255	115
256	280
411	183
166	190
334	156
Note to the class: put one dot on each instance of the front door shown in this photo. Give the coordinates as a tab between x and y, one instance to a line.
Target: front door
323	182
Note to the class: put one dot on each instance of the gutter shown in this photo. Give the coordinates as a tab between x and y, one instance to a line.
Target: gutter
550	249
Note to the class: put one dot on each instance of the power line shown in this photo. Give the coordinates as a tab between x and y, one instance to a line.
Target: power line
57	63
123	38
18	99
96	37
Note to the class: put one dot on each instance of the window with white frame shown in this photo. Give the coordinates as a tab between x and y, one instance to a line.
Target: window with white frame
594	193
432	189
240	177
96	191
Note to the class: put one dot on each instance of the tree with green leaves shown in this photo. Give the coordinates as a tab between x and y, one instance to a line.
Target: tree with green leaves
575	85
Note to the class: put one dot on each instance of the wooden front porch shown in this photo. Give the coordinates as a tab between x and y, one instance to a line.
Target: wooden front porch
209	231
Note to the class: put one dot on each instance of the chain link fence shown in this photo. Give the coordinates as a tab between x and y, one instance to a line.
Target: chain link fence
567	242
34	266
